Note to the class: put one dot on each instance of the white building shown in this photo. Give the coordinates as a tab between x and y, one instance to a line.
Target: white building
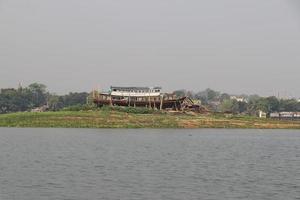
262	114
239	99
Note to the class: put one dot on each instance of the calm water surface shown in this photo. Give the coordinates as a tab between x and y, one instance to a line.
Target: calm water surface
79	164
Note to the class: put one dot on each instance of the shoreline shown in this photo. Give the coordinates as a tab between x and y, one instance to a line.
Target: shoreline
117	119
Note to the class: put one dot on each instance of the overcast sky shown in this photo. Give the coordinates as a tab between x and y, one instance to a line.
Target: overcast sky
236	46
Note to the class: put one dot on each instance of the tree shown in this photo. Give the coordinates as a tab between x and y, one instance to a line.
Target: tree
252	104
243	106
39	95
272	104
229	105
289	105
12	100
72	99
224	97
36	95
207	96
268	105
212	95
55	103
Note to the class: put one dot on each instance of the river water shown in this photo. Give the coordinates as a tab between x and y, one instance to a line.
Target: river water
113	164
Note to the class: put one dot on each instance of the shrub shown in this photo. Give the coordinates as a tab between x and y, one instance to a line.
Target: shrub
135	110
80	107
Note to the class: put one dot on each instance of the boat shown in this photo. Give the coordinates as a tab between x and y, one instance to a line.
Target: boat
149	97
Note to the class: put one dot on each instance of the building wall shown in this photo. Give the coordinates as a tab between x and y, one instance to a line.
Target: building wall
135	94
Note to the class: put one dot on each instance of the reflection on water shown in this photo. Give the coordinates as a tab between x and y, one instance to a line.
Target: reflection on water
149	164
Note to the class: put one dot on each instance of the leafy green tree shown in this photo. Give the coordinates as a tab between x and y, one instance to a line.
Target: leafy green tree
12	100
289	105
229	105
262	105
55	103
252	107
207	96
272	104
243	107
75	98
268	105
38	94
224	97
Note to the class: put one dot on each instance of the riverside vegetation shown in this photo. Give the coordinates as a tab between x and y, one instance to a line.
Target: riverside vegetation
36	95
119	117
74	110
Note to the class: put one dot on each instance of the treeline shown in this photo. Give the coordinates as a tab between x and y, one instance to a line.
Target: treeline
36	95
246	104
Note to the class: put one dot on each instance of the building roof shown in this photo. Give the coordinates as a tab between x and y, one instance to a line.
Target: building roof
135	88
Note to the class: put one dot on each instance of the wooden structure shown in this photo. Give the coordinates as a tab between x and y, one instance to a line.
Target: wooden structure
150	97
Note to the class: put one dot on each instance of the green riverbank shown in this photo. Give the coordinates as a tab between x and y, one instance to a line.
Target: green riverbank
119	119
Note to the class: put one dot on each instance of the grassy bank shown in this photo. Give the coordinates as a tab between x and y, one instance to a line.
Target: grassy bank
121	119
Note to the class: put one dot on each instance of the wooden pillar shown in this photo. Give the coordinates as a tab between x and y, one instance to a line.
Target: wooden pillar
161	102
145	100
176	106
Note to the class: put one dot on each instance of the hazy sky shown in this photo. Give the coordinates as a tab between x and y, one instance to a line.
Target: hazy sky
237	46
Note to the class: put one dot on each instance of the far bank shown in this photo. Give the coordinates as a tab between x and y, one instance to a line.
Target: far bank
120	119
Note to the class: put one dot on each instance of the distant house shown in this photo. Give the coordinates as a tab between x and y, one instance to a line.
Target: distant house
40	109
286	115
239	99
275	115
262	114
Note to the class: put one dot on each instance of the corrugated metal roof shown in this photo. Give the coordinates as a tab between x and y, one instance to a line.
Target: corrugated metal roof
134	88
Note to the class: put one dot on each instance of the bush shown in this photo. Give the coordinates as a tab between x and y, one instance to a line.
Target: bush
135	110
80	107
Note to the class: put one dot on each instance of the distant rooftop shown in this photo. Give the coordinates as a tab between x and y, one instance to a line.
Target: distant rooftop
134	88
